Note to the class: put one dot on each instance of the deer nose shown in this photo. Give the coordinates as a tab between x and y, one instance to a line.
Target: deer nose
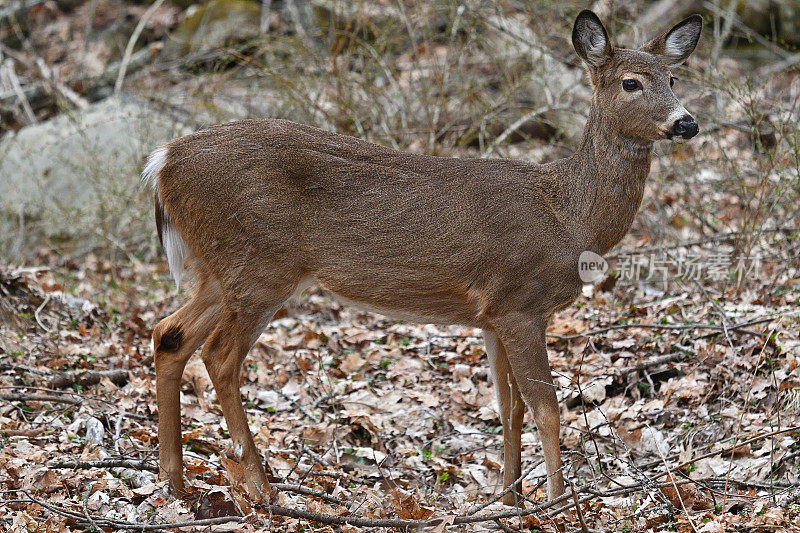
686	127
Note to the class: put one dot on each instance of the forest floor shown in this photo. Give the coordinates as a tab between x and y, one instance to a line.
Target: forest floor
678	376
670	420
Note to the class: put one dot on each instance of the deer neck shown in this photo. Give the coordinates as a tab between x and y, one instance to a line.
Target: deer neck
606	183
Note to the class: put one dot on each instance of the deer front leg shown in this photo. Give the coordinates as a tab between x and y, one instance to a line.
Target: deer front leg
524	340
512	411
223	354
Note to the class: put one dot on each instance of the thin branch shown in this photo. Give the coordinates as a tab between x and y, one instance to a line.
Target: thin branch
20	397
584	528
687	326
106	463
126	58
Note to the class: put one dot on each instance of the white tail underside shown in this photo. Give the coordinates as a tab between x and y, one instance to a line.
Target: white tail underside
174	245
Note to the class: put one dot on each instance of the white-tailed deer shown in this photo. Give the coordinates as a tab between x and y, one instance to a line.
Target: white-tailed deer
258	208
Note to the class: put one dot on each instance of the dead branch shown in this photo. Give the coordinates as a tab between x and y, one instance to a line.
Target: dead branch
584	528
66	379
126	58
686	326
61	380
299	489
39	95
21	397
318	517
106	463
651	362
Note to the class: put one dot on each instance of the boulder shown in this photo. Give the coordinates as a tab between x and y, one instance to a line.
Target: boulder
78	174
216	24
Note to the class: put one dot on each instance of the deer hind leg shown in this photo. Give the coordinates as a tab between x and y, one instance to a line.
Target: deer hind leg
524	340
175	339
223	355
512	411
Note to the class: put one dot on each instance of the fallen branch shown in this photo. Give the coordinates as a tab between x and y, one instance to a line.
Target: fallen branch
21	397
106	463
62	380
651	362
691	325
66	379
299	489
277	510
142	465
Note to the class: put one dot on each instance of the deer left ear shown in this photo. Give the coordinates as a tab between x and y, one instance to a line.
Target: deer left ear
678	43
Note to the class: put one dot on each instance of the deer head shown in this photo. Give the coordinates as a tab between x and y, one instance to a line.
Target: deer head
633	88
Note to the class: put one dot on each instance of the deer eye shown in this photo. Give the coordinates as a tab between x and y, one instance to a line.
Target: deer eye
672	81
630	85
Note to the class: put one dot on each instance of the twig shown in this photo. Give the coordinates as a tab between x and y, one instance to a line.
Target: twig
300	408
791	61
70	95
86	507
39	310
62	380
672	479
691	325
20	397
517	124
106	463
766	43
17	87
314	455
131	43
299	489
584	529
505	491
651	362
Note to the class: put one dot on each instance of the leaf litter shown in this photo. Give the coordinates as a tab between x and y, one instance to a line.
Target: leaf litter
382	419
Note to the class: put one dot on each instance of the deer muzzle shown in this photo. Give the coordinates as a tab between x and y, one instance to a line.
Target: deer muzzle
686	127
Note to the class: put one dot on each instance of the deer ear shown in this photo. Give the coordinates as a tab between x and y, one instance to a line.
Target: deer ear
590	39
678	43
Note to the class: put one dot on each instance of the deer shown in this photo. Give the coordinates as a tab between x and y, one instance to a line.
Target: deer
259	210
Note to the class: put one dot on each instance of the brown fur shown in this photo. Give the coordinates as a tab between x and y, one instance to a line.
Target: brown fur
494	244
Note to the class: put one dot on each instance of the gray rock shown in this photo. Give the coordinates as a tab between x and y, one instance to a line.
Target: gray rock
214	25
71	173
94	431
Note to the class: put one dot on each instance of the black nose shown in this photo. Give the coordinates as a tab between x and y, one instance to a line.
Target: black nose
686	127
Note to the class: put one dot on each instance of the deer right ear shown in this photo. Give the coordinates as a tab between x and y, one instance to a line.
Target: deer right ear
590	39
